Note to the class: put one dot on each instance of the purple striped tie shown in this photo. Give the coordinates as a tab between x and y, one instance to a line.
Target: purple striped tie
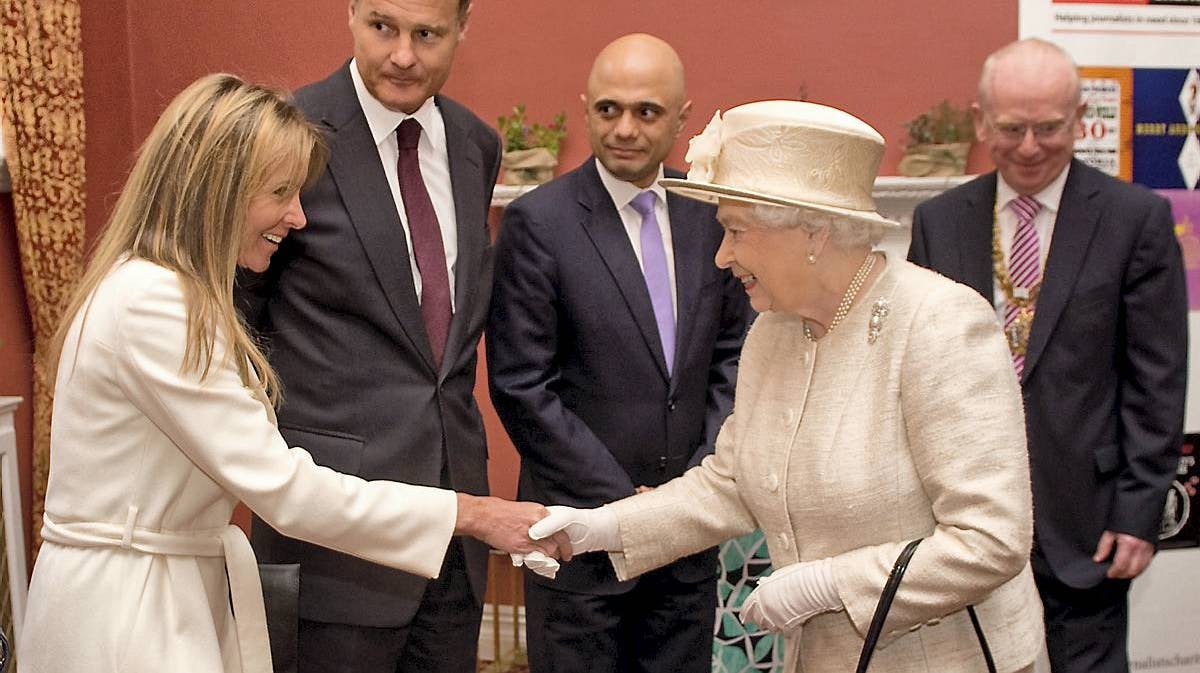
654	268
1024	262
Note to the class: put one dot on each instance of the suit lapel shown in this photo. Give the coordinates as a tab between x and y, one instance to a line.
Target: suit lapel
975	237
606	231
690	267
1073	231
470	210
360	181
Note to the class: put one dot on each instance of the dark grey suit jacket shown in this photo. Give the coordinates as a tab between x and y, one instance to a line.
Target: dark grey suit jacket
343	330
576	366
1106	366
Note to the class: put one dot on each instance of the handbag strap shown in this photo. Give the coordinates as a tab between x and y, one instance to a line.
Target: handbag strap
885	604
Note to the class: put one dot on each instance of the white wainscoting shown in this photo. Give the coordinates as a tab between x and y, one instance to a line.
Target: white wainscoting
14	519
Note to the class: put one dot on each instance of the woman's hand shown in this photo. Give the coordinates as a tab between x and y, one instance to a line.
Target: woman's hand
792	595
504	525
588	529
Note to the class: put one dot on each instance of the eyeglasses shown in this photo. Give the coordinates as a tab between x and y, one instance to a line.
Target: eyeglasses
1014	132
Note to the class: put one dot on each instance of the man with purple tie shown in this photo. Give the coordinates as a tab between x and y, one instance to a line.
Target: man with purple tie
612	348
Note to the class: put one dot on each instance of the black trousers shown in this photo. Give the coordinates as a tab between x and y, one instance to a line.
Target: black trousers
660	626
442	638
1087	630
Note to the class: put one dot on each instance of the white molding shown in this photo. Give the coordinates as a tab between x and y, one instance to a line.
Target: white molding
895	197
487	642
889	188
504	194
14	528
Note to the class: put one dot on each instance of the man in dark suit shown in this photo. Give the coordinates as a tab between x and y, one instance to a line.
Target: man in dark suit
1087	278
373	315
612	350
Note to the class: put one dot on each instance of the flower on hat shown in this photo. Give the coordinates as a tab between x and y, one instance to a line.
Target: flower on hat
703	151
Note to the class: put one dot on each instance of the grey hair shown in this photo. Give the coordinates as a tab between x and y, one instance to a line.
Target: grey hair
1032	44
844	232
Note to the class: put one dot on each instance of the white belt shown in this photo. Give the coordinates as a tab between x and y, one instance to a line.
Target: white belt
245	588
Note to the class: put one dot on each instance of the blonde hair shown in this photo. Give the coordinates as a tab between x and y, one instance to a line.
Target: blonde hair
184	207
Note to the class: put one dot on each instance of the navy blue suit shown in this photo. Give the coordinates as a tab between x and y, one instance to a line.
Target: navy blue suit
579	378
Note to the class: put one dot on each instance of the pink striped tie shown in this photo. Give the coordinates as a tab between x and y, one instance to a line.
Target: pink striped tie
1024	262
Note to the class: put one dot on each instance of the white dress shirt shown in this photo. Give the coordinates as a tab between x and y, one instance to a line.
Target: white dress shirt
1043	222
622	193
435	168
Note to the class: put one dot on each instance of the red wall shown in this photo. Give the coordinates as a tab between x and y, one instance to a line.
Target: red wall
883	61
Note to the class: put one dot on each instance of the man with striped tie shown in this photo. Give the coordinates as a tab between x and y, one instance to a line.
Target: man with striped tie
1087	279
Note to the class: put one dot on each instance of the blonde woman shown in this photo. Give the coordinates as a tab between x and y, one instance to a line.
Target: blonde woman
163	417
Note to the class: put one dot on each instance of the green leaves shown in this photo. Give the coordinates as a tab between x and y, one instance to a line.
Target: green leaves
518	134
944	123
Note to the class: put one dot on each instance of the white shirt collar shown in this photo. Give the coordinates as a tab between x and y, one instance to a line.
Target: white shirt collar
1049	197
383	122
623	192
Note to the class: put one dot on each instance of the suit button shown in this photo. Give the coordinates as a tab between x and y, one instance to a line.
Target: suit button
785	543
771	483
671	404
662	462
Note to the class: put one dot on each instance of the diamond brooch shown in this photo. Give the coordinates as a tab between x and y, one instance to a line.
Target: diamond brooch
879	311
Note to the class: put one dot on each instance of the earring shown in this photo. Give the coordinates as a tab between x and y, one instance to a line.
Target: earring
812	259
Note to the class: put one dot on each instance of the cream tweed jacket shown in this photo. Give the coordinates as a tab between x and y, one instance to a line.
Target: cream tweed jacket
851	446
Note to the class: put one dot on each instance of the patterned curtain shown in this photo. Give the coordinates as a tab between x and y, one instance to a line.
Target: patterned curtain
41	80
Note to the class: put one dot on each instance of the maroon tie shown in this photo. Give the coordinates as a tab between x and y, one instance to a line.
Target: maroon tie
426	240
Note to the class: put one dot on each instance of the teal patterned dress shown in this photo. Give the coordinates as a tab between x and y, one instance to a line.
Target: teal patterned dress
736	648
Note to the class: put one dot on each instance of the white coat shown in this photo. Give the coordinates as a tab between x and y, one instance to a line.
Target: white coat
146	465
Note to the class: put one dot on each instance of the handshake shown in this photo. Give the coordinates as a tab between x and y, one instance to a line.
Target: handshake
538	537
534	535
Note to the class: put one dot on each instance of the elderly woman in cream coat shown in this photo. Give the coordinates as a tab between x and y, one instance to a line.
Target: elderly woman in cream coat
876	403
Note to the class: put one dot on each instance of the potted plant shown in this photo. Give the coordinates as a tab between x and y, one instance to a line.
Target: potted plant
938	142
530	150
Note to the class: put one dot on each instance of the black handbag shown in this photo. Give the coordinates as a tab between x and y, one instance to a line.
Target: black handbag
281	598
885	604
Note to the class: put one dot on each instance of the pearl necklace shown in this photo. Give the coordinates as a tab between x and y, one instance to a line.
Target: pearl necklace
848	298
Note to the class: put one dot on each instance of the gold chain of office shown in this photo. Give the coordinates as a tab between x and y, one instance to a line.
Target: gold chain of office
1024	300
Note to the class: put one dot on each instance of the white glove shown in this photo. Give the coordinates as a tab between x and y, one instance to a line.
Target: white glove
588	529
792	595
537	562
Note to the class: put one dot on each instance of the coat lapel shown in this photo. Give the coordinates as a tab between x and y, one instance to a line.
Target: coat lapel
975	237
360	181
470	211
1073	231
691	263
604	227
